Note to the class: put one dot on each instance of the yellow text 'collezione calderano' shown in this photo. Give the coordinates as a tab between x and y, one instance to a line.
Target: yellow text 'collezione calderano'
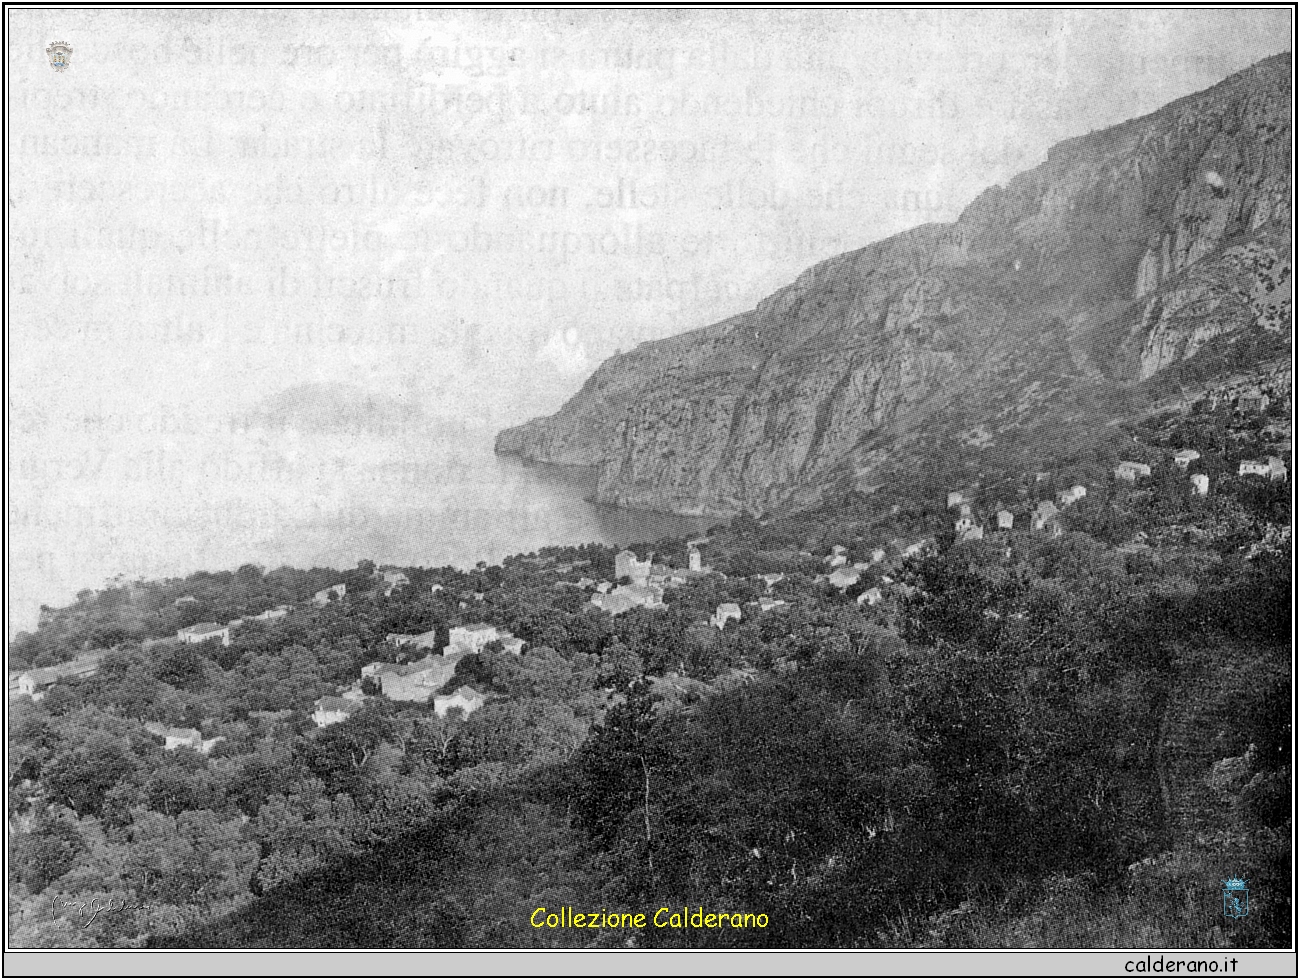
662	918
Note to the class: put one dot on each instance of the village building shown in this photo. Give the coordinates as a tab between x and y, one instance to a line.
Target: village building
1185	456
1200	483
1253	467
1006	520
465	698
472	638
975	533
724	614
1253	401
963	524
836	561
877	555
627	565
771	578
34	682
613	603
604	587
1276	468
435	588
394	578
964	510
513	645
421	641
842	578
1067	497
1043	514
331	710
1130	471
203	632
415	681
325	596
184	600
694	560
767	603
871	597
957	497
279	612
648	596
182	738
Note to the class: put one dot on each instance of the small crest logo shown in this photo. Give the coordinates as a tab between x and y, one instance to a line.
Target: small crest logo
1236	899
60	53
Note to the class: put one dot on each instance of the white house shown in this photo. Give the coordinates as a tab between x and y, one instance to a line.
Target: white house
1200	483
1253	467
1006	520
1276	468
473	637
279	612
1066	497
842	578
1043	514
1185	456
648	596
324	596
1130	471
202	632
871	597
421	641
332	710
725	613
626	564
414	681
975	533
767	603
613	603
956	498
694	560
465	698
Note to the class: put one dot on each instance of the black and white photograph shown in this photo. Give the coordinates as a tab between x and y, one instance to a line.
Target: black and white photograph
620	480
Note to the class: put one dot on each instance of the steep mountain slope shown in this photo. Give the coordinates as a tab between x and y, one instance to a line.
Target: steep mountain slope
1049	307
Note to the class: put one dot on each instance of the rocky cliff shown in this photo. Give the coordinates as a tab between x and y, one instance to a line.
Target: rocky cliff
1048	305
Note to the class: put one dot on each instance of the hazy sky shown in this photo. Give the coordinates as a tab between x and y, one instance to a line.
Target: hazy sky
474	208
210	205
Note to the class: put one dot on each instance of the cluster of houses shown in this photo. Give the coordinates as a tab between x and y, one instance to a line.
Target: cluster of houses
647	580
36	682
420	679
844	575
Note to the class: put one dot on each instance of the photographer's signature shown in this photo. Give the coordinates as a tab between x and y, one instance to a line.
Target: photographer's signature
94	908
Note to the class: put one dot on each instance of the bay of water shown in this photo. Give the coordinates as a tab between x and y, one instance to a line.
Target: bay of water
152	505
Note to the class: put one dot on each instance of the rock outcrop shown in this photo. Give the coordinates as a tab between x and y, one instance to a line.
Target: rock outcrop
1129	250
